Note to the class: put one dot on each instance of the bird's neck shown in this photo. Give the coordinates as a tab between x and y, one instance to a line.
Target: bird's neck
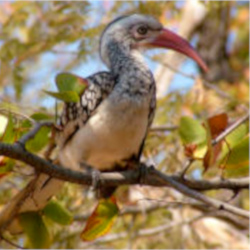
129	69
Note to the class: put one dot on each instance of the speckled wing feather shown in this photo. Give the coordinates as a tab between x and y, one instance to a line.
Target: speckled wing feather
151	115
152	107
75	115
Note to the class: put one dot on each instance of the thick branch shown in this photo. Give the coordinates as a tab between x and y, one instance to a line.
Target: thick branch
114	178
154	178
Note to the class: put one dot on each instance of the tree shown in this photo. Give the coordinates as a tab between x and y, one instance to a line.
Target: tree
198	190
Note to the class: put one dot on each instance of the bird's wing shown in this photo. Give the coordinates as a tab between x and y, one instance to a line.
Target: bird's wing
151	115
75	115
152	107
38	191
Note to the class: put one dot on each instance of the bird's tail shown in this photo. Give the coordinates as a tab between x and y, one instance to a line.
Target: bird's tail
33	197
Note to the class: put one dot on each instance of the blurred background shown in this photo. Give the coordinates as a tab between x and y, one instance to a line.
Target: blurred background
40	39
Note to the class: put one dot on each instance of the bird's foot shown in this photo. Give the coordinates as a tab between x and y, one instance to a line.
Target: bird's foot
102	192
96	179
95	174
133	165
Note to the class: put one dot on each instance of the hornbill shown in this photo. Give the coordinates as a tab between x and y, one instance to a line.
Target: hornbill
107	128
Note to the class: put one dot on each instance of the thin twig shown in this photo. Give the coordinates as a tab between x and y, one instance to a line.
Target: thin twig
11	243
230	129
205	82
31	134
187	166
199	196
144	232
149	208
159	204
9	215
18	114
214	87
235	220
219	138
163	128
75	53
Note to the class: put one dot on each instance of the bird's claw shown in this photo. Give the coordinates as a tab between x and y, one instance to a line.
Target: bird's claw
95	174
96	177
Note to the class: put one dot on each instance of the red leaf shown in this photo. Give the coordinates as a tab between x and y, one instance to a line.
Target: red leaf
101	220
217	124
211	155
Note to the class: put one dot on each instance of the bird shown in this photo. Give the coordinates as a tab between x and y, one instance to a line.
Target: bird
107	128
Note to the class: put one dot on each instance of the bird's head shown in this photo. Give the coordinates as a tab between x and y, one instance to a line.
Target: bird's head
138	31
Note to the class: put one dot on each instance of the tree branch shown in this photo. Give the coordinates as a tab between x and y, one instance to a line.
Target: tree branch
237	221
199	196
154	178
144	232
113	178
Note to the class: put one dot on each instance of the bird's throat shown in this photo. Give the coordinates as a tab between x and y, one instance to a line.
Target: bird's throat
131	73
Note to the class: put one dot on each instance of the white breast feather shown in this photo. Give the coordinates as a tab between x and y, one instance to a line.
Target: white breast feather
113	134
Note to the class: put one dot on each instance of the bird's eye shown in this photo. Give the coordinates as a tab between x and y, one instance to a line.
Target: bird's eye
142	30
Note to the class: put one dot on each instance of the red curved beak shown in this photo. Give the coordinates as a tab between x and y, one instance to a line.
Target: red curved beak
170	40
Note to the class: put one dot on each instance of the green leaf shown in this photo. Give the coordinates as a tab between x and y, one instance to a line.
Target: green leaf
70	82
237	135
40	140
237	163
35	228
101	220
70	87
66	96
41	116
191	131
9	134
56	212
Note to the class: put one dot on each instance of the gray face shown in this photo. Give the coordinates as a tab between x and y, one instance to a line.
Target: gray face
130	32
